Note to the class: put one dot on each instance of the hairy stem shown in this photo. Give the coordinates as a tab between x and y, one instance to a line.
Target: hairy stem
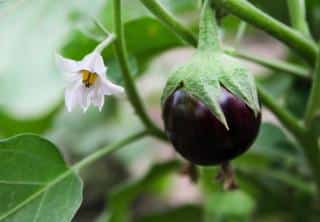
131	89
249	13
297	11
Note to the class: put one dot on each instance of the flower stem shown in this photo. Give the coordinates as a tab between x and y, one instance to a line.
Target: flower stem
249	13
131	89
297	11
108	149
105	43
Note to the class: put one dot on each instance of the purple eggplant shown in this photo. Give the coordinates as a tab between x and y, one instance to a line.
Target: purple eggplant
200	137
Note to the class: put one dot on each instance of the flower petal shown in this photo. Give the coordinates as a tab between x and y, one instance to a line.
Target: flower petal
84	98
67	65
111	88
93	62
73	78
71	97
98	100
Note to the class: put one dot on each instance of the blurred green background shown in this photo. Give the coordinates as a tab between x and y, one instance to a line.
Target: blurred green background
142	182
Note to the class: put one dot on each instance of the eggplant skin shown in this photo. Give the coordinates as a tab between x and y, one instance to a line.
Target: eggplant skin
200	137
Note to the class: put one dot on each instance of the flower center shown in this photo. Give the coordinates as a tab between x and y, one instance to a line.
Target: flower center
88	78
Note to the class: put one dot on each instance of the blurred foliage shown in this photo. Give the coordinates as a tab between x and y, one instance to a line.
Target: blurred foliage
229	206
313	13
121	198
186	213
11	125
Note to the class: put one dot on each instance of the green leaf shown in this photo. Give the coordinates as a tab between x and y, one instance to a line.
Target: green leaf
35	183
234	205
297	96
121	198
272	157
277	84
272	148
188	213
207	181
272	141
289	179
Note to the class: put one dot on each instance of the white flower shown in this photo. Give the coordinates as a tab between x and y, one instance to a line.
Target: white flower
87	82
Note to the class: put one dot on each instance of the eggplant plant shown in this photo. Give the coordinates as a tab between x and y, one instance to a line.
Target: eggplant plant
215	112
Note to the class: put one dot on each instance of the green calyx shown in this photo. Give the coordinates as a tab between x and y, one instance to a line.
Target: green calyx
209	69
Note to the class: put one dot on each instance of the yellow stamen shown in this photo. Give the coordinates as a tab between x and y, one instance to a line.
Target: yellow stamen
88	78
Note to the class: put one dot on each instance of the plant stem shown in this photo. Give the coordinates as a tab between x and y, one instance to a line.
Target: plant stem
286	118
313	104
249	13
296	70
297	11
131	89
167	18
108	149
187	36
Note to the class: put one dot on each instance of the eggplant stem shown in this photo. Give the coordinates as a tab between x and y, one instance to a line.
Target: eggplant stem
190	170
226	176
